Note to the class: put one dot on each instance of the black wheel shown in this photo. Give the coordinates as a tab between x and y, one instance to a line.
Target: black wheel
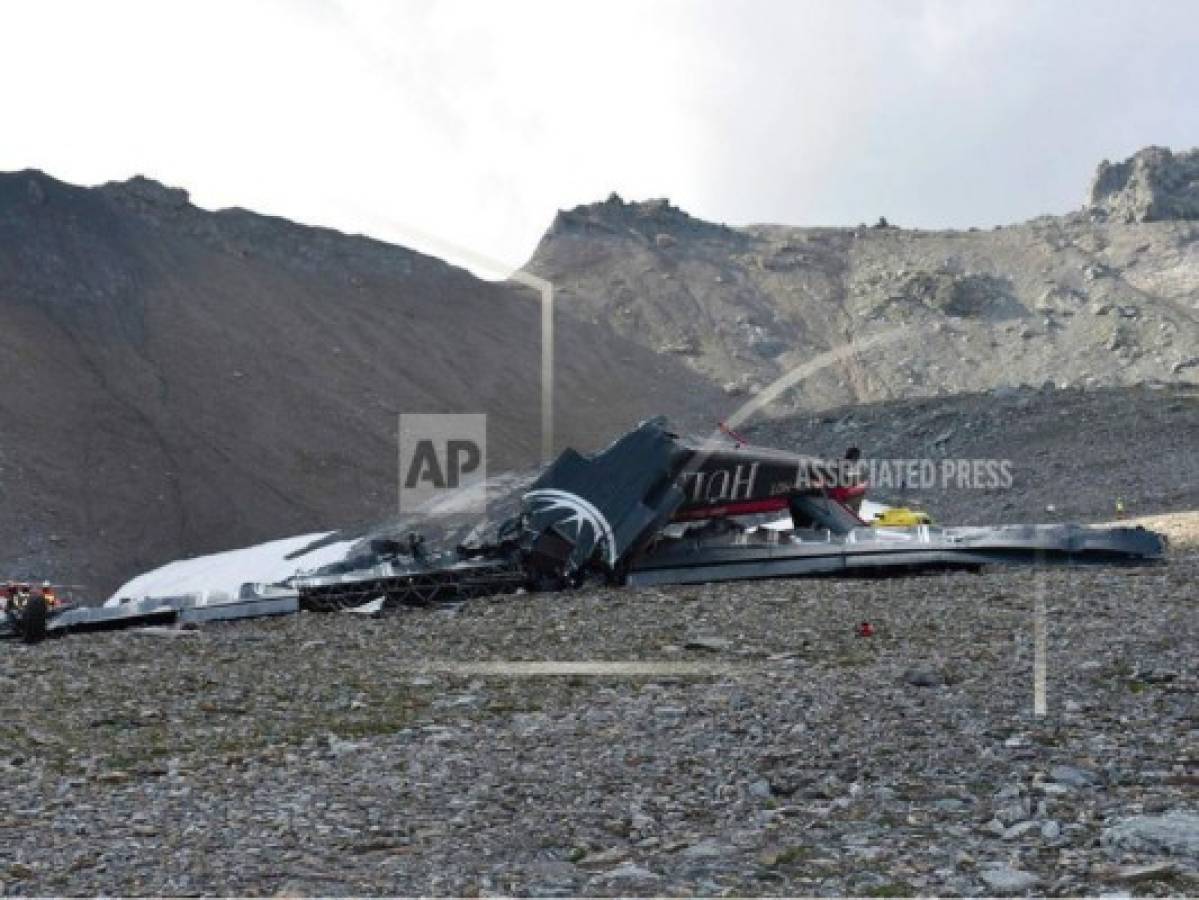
33	620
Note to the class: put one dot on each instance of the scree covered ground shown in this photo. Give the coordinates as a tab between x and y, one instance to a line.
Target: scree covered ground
699	740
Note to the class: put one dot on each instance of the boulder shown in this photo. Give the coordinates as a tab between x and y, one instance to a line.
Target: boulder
1174	833
1004	880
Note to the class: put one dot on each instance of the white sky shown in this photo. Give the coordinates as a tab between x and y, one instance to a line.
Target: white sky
475	121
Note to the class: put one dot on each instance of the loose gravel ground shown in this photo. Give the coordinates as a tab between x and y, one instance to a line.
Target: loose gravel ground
744	741
1072	453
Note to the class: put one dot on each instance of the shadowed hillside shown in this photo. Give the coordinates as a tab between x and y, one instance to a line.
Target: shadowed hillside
175	381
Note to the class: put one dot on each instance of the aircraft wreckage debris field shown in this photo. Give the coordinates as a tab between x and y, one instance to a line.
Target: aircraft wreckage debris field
779	753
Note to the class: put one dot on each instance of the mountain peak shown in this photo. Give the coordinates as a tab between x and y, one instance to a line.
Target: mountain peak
655	218
1154	184
148	191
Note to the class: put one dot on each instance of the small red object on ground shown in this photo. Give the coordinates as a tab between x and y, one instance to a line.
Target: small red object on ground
741	442
865	630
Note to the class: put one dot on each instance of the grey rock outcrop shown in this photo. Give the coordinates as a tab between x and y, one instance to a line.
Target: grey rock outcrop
148	191
1153	185
1086	299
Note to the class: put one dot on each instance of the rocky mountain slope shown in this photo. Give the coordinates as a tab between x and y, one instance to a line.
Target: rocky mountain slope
176	381
1105	296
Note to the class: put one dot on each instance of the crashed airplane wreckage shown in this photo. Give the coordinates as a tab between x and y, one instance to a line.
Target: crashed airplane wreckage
651	509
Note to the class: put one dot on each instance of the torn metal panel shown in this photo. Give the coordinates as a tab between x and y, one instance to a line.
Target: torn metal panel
172	611
277	605
415	583
822	511
764	554
598	509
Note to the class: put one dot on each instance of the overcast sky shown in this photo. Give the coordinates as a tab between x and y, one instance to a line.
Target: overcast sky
473	122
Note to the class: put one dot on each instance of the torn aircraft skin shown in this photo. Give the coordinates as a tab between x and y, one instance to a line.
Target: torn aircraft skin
650	509
653	509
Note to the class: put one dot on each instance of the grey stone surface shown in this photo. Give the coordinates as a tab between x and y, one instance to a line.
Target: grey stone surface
1175	833
1027	303
1006	880
337	755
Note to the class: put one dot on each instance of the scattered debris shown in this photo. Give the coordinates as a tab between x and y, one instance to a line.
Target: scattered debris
370	608
651	509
